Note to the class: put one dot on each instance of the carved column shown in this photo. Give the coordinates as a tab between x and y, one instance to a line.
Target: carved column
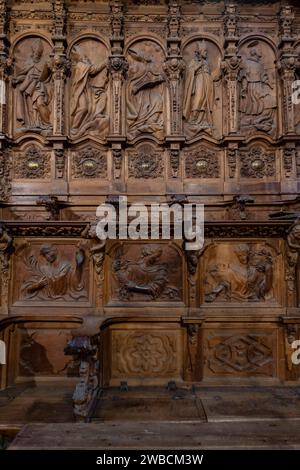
231	65
59	65
174	67
6	250
287	66
5	181
117	67
5	64
291	260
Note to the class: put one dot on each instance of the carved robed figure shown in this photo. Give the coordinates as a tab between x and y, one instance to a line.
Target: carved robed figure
144	95
88	96
33	91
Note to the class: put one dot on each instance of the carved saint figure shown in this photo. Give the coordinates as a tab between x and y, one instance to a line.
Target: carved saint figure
88	96
144	96
257	102
148	275
54	278
199	96
33	92
249	278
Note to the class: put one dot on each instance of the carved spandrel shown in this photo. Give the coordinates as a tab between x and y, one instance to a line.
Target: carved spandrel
202	95
145	89
239	273
33	86
145	273
89	89
51	273
258	106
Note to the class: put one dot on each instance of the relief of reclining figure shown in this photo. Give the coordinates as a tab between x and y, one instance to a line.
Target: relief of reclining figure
250	278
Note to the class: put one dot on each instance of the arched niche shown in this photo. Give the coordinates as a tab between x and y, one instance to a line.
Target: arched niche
202	89
257	88
88	89
32	86
145	90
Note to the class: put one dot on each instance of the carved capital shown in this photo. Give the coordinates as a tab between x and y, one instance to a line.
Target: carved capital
118	67
174	68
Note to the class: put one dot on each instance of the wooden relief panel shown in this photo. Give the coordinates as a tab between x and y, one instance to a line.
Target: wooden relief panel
143	272
89	90
202	96
33	163
146	353
258	90
202	163
257	162
33	87
51	272
242	272
89	162
146	162
240	352
41	353
145	92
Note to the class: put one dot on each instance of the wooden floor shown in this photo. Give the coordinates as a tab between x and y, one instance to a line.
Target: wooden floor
227	417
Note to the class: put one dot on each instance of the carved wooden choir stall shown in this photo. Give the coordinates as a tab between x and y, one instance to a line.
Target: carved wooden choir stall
162	101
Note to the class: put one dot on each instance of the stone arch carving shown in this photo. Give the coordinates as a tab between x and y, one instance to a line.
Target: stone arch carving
257	87
33	86
202	90
145	90
88	88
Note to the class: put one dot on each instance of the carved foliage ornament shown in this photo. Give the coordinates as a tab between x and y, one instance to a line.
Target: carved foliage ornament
202	163
89	163
5	185
145	163
33	165
256	163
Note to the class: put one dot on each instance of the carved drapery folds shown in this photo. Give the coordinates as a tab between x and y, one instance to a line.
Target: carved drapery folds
33	84
89	89
258	95
145	90
240	273
202	95
51	272
146	272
